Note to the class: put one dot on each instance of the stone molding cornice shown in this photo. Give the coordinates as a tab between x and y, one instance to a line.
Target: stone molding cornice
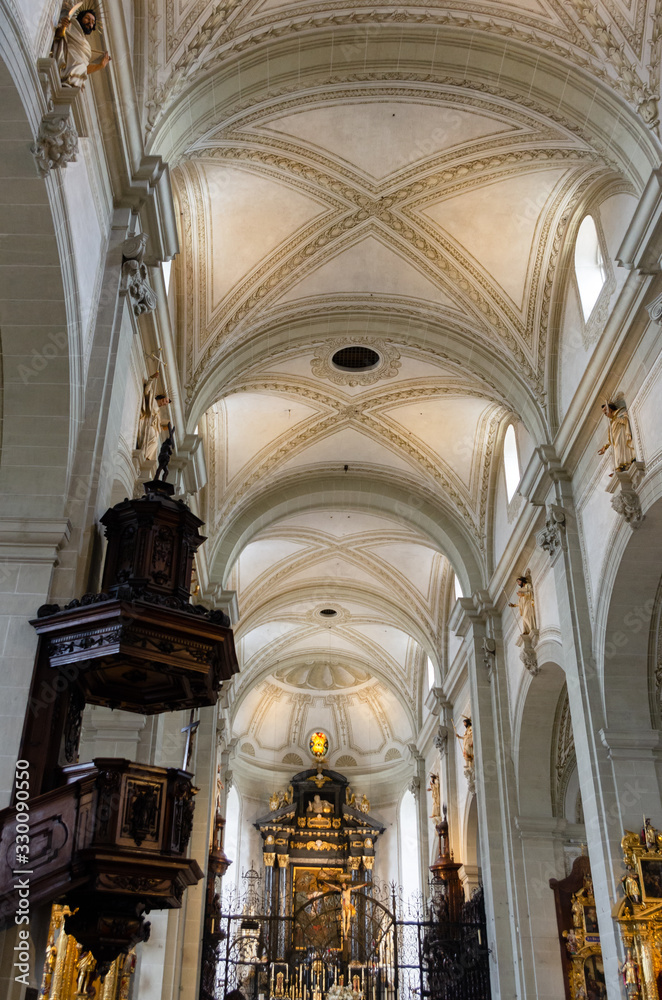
34	540
630	744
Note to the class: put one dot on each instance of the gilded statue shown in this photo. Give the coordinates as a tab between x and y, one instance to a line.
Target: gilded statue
619	435
350	797
344	886
526	606
71	48
630	972
631	888
85	973
364	804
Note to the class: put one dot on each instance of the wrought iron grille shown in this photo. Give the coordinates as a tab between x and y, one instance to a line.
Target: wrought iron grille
398	949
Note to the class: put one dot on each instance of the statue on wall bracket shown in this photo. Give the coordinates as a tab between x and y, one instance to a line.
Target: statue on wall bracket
529	632
72	50
627	471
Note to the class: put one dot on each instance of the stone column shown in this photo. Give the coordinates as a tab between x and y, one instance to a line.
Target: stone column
29	551
495	792
616	771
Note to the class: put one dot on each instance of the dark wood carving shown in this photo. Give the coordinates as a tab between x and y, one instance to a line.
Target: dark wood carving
109	842
109	837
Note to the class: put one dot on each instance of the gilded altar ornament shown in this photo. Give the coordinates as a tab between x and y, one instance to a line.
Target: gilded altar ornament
586	974
319	745
70	972
343	884
639	913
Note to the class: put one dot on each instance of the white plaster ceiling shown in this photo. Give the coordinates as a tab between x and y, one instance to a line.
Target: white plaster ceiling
401	179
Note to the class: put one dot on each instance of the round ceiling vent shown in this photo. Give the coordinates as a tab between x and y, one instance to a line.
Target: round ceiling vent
355	358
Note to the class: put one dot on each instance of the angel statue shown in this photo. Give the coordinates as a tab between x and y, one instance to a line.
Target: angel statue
71	48
343	884
619	435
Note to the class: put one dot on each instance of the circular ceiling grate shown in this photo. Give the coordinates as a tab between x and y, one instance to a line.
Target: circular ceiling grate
356	358
328	612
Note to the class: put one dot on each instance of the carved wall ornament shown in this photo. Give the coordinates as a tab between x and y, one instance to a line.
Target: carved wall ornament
654	309
489	653
56	143
551	537
387	367
441	740
623	484
135	279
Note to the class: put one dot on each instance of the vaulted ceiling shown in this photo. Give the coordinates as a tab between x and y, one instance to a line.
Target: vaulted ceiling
402	180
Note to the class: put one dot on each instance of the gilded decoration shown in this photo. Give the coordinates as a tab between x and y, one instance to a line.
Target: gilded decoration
70	971
582	941
639	913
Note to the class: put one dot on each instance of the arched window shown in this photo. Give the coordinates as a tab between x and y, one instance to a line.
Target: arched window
410	864
511	462
231	841
589	265
430	674
458	588
167	268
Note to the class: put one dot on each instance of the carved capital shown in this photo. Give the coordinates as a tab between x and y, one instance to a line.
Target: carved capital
56	143
551	537
368	863
414	787
283	860
269	859
654	309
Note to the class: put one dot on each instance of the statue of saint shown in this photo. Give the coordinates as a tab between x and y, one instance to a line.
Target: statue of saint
648	835
526	605
319	805
467	740
433	787
631	887
619	435
85	973
71	48
630	972
149	423
571	942
350	797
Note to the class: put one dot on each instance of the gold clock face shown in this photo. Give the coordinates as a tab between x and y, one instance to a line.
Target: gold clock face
319	745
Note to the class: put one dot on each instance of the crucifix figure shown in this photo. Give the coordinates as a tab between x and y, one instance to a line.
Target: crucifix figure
343	884
190	731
